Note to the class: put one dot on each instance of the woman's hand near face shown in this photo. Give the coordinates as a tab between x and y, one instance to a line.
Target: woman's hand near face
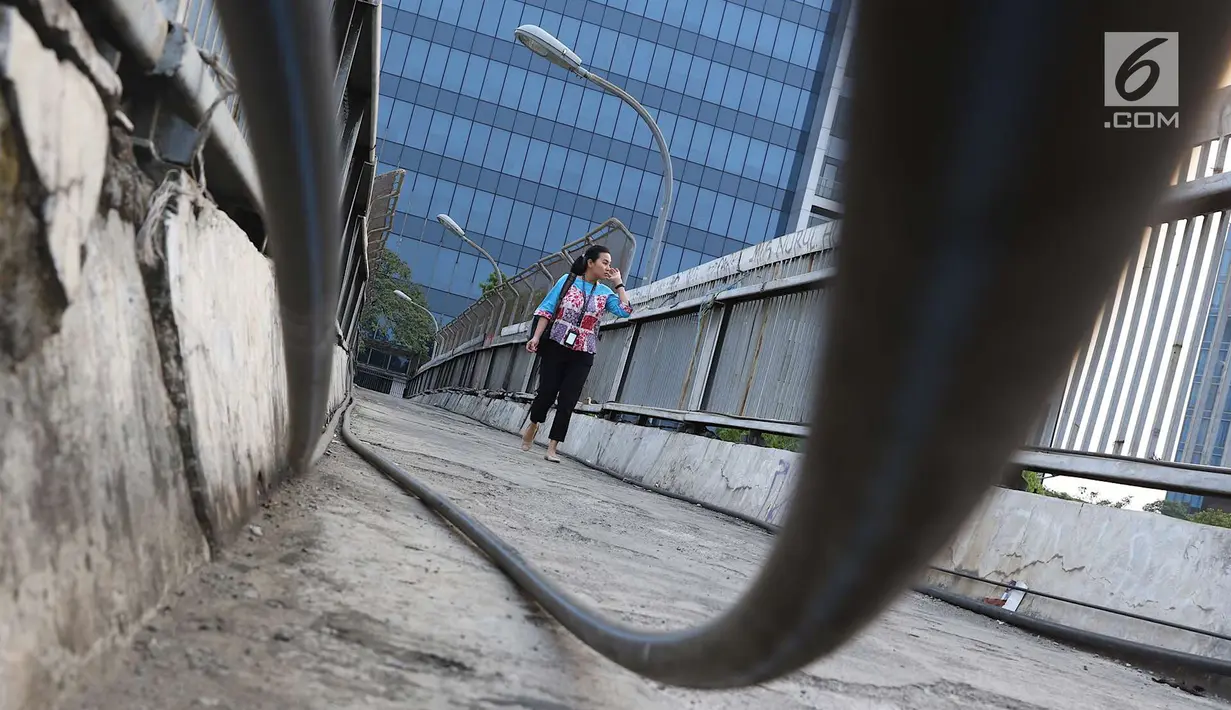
614	275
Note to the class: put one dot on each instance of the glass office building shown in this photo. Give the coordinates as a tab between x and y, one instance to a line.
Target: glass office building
527	157
1207	417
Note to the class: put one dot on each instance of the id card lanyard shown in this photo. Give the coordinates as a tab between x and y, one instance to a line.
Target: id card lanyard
570	339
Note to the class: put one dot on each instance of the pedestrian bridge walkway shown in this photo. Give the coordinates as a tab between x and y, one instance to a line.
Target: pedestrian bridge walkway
346	593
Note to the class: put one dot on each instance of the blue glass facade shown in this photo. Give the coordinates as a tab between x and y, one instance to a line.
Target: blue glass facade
1191	500
527	157
1203	435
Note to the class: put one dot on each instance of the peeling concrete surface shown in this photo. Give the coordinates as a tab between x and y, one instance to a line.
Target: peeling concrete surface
96	525
1141	562
60	24
95	517
349	594
222	352
63	128
101	514
752	480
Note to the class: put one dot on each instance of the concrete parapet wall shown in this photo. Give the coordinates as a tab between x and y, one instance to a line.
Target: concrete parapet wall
142	385
1138	562
96	520
1144	563
791	254
224	351
339	382
749	479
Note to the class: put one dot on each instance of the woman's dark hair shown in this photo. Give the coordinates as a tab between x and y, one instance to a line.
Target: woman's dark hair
583	261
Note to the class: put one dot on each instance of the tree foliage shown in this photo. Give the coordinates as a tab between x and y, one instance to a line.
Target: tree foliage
491	282
389	318
1176	509
772	441
1034	484
1169	508
1210	516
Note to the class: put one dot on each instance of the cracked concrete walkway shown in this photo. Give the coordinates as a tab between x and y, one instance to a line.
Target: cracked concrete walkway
349	594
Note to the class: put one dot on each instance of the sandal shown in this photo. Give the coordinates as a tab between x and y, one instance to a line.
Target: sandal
527	443
553	459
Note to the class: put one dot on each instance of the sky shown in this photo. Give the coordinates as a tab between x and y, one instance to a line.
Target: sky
1110	491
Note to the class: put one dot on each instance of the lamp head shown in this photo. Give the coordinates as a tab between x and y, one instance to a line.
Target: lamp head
542	43
447	222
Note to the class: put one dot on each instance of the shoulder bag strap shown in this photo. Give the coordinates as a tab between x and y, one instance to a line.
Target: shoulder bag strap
585	303
568	283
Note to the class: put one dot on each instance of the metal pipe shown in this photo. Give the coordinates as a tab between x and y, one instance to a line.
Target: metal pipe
145	32
1068	633
926	386
286	84
1141	652
925	390
1087	605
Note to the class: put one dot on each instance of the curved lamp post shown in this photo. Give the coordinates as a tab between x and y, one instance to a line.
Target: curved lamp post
400	294
451	225
542	43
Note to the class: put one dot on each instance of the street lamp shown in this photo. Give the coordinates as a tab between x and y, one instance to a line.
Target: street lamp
542	43
452	226
400	294
448	223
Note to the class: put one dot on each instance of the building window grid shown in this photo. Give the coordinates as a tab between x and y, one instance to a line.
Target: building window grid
683	127
795	88
1203	363
1220	441
727	215
507	151
748	29
487	223
1192	500
789	109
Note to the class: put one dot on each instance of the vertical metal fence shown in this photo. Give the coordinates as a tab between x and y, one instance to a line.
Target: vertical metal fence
1150	382
763	368
608	364
662	355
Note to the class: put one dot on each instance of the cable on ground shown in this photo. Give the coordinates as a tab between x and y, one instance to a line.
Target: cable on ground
1062	632
925	387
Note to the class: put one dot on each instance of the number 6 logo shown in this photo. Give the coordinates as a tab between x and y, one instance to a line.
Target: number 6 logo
1141	69
1134	63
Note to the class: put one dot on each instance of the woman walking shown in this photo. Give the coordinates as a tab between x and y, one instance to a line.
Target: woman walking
569	316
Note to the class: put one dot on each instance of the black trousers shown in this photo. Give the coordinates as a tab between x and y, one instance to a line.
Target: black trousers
562	375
